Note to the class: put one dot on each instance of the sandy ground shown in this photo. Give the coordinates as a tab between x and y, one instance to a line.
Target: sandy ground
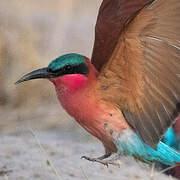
22	158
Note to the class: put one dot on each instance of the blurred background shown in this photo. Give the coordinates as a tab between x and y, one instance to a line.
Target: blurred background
32	33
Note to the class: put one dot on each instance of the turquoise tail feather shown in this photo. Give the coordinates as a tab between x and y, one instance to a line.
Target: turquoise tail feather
129	143
170	139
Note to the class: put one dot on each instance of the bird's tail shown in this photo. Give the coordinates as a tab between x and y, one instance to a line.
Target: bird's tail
169	156
172	139
129	143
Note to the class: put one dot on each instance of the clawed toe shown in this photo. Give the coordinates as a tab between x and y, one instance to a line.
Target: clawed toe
95	160
104	162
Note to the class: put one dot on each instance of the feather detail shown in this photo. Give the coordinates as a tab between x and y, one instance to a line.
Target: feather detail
113	17
130	144
141	77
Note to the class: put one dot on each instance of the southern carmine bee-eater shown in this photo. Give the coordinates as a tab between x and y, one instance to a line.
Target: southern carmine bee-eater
129	94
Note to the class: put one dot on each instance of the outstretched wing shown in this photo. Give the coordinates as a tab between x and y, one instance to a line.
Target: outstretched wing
142	77
113	16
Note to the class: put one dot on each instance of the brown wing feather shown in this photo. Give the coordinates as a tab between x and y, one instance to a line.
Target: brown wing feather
113	16
142	76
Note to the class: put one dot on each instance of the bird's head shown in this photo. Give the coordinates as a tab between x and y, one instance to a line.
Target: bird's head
70	71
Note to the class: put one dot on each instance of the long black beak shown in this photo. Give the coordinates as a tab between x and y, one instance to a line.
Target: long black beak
37	74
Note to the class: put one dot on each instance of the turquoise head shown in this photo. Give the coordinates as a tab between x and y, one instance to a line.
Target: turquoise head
66	64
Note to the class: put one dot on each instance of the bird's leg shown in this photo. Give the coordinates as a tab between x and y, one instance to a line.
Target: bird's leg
102	159
99	159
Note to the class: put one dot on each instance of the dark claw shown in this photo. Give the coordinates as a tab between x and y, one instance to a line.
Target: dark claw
95	160
84	157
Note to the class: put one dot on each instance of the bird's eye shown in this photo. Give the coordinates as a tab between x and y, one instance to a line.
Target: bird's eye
67	67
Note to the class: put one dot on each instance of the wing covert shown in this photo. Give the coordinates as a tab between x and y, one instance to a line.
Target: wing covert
113	16
142	76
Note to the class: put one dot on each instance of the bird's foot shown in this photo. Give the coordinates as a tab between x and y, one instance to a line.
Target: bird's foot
102	161
95	160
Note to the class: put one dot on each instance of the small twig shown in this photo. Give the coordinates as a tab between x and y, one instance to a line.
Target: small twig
152	171
170	177
6	177
84	173
43	151
164	170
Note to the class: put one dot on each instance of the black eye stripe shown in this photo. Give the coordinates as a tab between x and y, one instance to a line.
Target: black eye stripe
68	67
71	69
65	68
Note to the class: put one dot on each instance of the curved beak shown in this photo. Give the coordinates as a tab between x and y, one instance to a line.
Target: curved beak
37	74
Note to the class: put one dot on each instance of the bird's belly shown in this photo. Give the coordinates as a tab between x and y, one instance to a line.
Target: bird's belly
92	113
95	123
99	132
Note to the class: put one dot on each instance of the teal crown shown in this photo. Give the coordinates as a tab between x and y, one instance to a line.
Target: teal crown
67	59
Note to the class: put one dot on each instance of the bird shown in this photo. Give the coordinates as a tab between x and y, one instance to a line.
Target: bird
128	94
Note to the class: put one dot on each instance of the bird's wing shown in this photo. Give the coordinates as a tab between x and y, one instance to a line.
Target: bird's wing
142	77
113	16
